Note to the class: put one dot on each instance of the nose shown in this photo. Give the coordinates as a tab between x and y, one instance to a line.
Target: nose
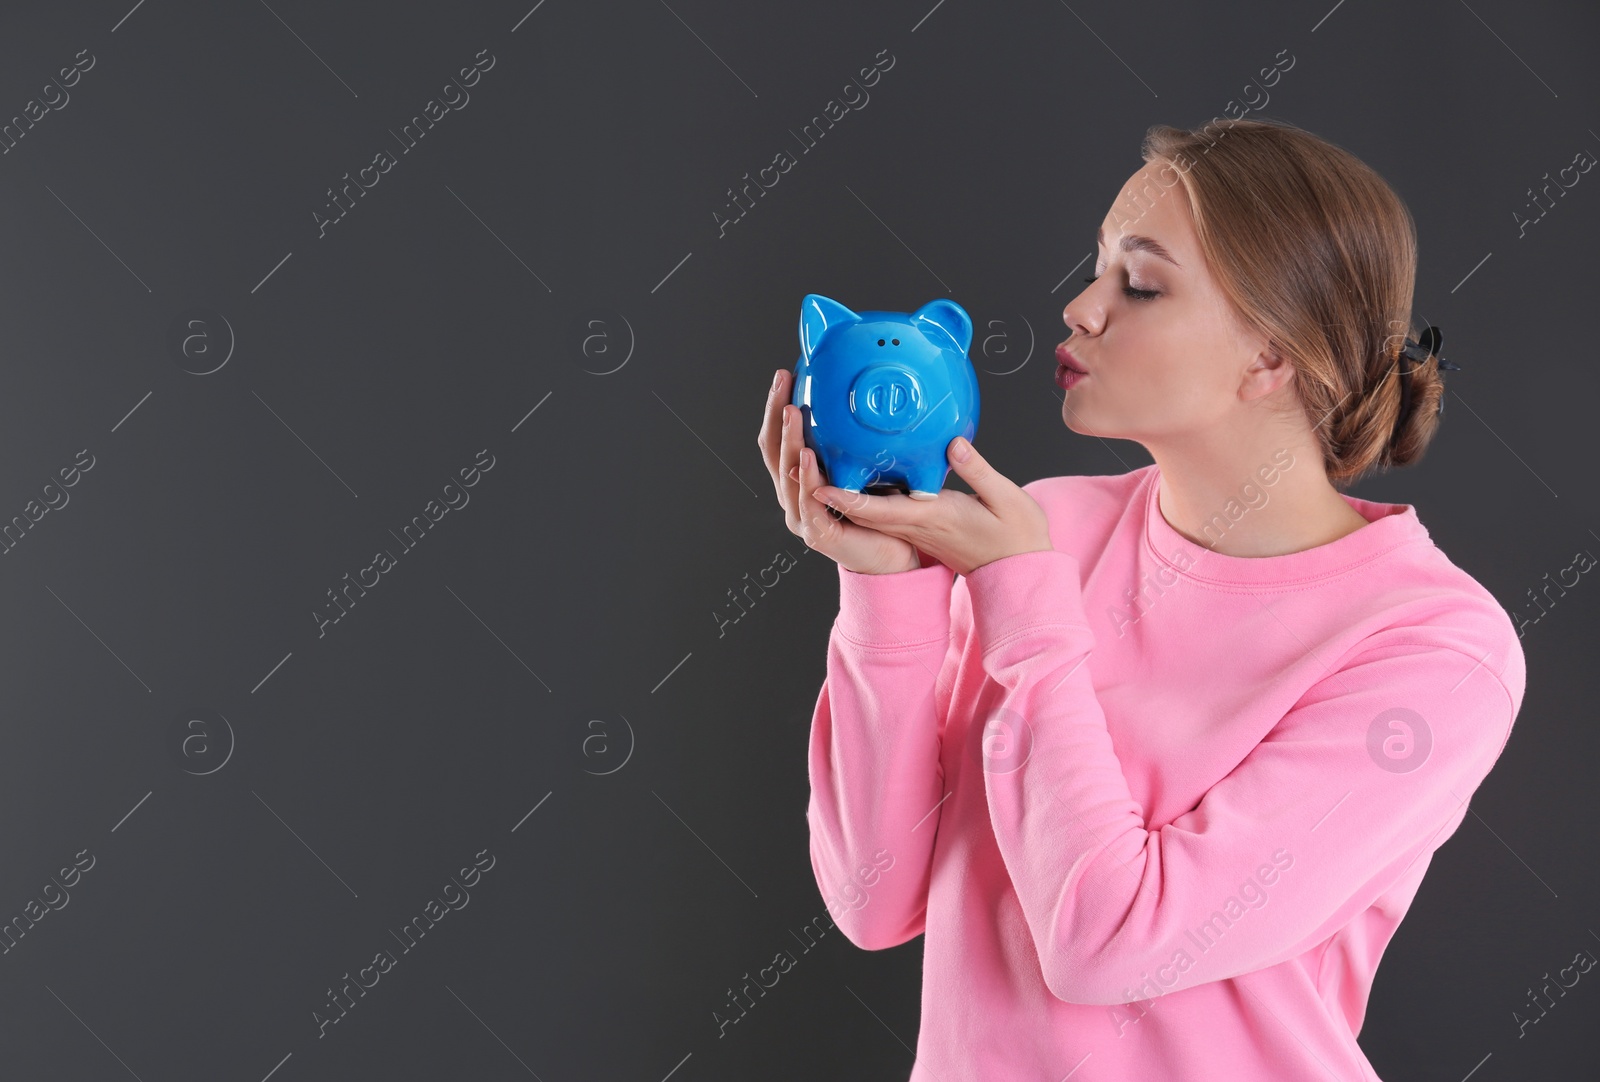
887	398
1077	312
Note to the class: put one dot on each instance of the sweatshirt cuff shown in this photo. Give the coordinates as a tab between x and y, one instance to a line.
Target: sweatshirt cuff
1029	591
898	610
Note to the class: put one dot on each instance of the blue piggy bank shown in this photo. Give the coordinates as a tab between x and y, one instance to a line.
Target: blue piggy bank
882	394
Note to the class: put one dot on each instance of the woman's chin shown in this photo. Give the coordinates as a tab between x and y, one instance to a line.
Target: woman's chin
1074	418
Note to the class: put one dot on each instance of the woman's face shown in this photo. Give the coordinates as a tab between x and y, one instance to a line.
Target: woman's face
1165	356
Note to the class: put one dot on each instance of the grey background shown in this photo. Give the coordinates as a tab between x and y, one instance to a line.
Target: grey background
543	678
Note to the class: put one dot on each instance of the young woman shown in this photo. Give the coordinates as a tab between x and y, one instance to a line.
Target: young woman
1160	773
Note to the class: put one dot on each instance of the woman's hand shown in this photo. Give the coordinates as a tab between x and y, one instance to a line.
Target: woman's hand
796	477
960	531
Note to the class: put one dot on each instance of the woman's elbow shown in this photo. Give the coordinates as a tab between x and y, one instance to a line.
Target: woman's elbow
871	932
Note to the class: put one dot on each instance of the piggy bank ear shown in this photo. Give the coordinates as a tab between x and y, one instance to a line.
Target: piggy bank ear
817	314
949	317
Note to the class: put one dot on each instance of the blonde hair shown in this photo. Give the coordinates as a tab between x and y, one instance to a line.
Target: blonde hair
1319	255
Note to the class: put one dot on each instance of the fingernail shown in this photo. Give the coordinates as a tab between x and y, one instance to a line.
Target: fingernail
794	473
777	379
960	449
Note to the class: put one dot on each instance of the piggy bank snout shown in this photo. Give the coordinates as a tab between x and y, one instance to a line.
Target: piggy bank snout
887	398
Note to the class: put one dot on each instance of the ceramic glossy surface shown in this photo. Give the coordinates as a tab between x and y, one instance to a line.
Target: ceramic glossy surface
882	394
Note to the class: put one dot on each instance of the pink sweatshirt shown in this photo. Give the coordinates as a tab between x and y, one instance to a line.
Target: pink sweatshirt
1159	810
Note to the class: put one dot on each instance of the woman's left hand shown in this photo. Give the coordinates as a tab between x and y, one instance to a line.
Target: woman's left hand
960	531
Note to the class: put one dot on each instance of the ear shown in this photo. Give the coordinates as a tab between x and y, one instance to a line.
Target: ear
950	319
817	314
1267	372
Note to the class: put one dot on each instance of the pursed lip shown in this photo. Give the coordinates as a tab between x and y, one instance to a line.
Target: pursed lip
1065	357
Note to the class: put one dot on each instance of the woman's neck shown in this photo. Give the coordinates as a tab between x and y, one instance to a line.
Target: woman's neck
1281	504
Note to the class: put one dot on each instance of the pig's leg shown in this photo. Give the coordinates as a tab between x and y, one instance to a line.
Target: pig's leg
926	481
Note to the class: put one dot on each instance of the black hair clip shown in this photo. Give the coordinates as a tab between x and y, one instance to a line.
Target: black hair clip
1432	340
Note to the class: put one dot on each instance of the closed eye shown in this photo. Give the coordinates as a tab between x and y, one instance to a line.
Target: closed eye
1129	291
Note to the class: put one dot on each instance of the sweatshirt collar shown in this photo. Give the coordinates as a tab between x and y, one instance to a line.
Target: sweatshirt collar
1389	525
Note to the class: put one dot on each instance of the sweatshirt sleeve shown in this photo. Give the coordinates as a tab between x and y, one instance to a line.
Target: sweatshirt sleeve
876	779
1367	773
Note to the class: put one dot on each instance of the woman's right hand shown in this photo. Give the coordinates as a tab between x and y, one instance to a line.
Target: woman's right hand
795	476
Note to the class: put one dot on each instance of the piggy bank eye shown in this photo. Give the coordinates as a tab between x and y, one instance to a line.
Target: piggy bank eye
897	341
880	341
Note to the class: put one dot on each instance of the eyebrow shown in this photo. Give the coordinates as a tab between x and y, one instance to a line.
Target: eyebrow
1133	242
